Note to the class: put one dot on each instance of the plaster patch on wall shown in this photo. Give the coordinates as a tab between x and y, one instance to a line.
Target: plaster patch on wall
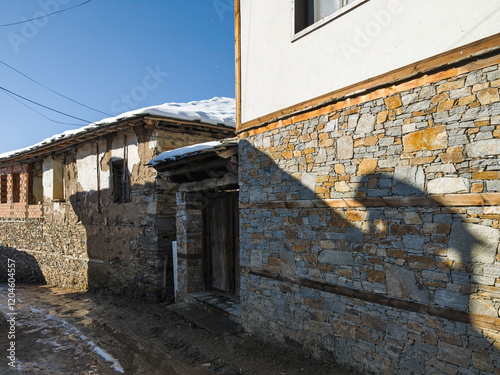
86	163
48	176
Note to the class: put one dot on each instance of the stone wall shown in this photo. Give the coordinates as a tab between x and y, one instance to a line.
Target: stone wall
190	246
370	227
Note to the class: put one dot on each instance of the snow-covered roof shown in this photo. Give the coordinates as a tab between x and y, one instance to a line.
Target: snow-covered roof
215	111
185	151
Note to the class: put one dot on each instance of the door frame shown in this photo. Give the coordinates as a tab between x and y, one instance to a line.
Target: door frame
232	243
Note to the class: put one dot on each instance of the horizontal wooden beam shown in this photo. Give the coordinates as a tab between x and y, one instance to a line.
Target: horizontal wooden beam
476	320
444	200
199	167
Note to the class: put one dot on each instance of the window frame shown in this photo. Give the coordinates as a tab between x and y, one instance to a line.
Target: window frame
35	184
120	183
58	182
4	189
16	187
322	22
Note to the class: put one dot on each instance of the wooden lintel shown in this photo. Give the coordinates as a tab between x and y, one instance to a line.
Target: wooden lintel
199	167
160	121
226	154
444	200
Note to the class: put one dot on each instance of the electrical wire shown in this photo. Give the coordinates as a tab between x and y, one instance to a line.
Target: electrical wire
40	113
46	15
44	106
55	92
152	137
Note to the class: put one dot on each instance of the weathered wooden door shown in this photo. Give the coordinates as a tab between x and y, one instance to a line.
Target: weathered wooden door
222	246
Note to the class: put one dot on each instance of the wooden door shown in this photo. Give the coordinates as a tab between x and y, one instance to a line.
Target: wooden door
222	247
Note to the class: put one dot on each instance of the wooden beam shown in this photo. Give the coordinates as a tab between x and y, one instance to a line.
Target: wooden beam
475	320
444	200
195	124
200	167
237	42
226	154
211	183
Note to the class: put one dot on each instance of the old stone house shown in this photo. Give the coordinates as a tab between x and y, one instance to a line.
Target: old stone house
82	209
370	181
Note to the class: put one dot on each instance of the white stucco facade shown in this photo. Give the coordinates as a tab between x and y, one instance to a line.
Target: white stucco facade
376	37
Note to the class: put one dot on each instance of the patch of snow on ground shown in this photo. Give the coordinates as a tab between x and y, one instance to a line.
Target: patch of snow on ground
107	357
70	328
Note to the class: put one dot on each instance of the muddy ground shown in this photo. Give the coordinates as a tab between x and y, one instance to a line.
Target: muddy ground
62	332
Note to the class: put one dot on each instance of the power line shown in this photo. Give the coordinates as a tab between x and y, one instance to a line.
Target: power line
153	137
55	92
46	15
40	113
43	106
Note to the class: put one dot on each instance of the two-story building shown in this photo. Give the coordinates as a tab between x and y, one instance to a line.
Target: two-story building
370	180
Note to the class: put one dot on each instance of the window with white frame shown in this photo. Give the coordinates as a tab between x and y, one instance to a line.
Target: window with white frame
308	12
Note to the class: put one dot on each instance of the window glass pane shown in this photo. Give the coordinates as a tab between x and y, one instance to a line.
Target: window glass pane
121	181
323	8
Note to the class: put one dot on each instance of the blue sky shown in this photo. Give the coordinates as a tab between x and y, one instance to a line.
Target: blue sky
112	55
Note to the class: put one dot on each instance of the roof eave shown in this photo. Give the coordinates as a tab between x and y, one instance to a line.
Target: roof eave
104	130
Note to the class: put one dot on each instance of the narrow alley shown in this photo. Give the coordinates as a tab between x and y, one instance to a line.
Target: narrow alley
62	332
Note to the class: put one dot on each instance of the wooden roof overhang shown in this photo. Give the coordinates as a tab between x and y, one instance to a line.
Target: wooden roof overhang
156	122
212	163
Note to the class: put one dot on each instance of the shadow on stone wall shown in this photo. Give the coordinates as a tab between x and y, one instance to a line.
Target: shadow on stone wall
27	270
424	253
128	244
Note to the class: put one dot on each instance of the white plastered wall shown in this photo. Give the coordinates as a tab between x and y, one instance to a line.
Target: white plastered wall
372	39
48	177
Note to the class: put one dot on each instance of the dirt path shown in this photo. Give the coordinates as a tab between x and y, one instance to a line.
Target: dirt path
62	332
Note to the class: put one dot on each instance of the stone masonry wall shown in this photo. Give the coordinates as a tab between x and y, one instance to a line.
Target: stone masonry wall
190	247
370	228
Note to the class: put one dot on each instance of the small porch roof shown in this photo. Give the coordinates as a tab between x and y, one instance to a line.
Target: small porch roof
199	161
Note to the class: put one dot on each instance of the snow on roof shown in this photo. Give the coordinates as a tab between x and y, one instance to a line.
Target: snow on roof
215	111
183	151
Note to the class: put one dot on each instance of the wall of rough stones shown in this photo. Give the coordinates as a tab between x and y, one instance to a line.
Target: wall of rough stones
190	245
370	227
